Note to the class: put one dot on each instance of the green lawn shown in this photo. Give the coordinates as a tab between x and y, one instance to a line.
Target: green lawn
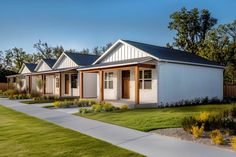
22	135
150	119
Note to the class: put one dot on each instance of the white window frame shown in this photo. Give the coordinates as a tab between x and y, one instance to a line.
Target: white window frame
108	78
142	79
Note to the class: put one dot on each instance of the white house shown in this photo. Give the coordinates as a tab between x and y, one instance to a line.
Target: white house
140	73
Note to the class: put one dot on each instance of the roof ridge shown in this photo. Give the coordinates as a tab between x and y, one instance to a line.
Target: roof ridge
82	53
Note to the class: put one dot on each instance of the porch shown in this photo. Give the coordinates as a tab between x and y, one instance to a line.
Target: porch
134	84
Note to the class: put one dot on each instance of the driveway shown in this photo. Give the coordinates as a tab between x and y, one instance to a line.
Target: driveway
144	143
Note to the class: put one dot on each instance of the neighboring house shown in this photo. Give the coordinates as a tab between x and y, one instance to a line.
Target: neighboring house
22	80
59	77
140	73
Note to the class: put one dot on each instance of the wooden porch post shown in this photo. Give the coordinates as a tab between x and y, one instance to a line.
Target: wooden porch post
81	84
30	80
136	77
60	85
101	86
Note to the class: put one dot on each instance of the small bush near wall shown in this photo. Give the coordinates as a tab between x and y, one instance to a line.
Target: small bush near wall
233	142
216	137
74	103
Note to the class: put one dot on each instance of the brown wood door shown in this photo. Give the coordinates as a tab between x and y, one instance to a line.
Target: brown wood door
126	84
67	84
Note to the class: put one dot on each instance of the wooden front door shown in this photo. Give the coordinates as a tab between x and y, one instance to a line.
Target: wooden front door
126	84
67	84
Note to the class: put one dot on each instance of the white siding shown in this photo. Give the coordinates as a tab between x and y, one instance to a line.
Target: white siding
179	82
124	52
64	62
25	70
43	67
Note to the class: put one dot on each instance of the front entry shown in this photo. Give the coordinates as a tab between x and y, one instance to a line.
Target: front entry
67	83
126	84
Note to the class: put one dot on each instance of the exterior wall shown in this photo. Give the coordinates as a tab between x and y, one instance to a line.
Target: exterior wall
43	67
186	82
64	62
146	95
124	52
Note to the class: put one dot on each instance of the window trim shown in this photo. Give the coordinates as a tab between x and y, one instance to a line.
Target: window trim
108	78
142	79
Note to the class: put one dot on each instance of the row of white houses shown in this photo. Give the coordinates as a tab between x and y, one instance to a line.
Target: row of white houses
133	72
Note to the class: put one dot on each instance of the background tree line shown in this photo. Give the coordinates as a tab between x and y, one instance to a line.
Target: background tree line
11	60
197	32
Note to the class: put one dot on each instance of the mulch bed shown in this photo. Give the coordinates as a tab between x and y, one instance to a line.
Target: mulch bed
183	135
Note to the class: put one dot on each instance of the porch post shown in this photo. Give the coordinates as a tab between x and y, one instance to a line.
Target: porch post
81	84
30	84
136	77
101	86
59	84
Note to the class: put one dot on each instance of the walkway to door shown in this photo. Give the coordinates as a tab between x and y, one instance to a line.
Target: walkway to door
141	142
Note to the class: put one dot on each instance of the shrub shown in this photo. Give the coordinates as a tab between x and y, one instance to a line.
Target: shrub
97	108
203	116
107	107
216	137
11	92
66	104
188	122
233	112
56	104
84	102
84	110
197	131
124	107
233	142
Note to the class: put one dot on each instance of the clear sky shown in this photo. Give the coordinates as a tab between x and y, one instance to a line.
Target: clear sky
79	24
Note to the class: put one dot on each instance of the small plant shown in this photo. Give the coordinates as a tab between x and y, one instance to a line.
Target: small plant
197	131
97	108
203	116
84	110
216	137
107	107
188	122
233	142
124	107
56	104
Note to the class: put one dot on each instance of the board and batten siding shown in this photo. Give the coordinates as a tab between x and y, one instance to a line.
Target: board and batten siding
65	62
179	82
25	70
43	67
124	52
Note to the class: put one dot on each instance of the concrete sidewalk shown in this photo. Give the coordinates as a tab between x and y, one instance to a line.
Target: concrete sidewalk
144	143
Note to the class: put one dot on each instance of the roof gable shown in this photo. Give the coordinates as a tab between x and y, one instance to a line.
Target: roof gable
160	53
45	64
27	68
72	59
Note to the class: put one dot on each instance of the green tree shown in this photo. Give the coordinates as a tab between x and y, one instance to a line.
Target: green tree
191	27
220	46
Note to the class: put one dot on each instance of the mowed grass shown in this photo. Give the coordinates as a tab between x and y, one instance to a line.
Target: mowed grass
151	119
22	135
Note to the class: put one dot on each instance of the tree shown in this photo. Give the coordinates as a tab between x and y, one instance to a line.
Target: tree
84	51
96	51
191	27
57	51
44	51
220	46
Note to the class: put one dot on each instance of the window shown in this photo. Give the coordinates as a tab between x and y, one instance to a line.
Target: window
145	79
108	82
57	82
74	80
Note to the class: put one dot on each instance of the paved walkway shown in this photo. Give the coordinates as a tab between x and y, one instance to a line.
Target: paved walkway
144	143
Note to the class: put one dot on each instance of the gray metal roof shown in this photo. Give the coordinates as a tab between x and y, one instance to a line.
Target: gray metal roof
30	66
50	62
117	63
165	53
82	59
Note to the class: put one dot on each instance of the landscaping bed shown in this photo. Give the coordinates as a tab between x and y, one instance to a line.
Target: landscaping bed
183	135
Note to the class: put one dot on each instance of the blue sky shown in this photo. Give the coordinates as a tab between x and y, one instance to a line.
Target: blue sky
79	24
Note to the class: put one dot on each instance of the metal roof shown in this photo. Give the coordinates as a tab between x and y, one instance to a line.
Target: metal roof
50	62
82	59
30	66
164	53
